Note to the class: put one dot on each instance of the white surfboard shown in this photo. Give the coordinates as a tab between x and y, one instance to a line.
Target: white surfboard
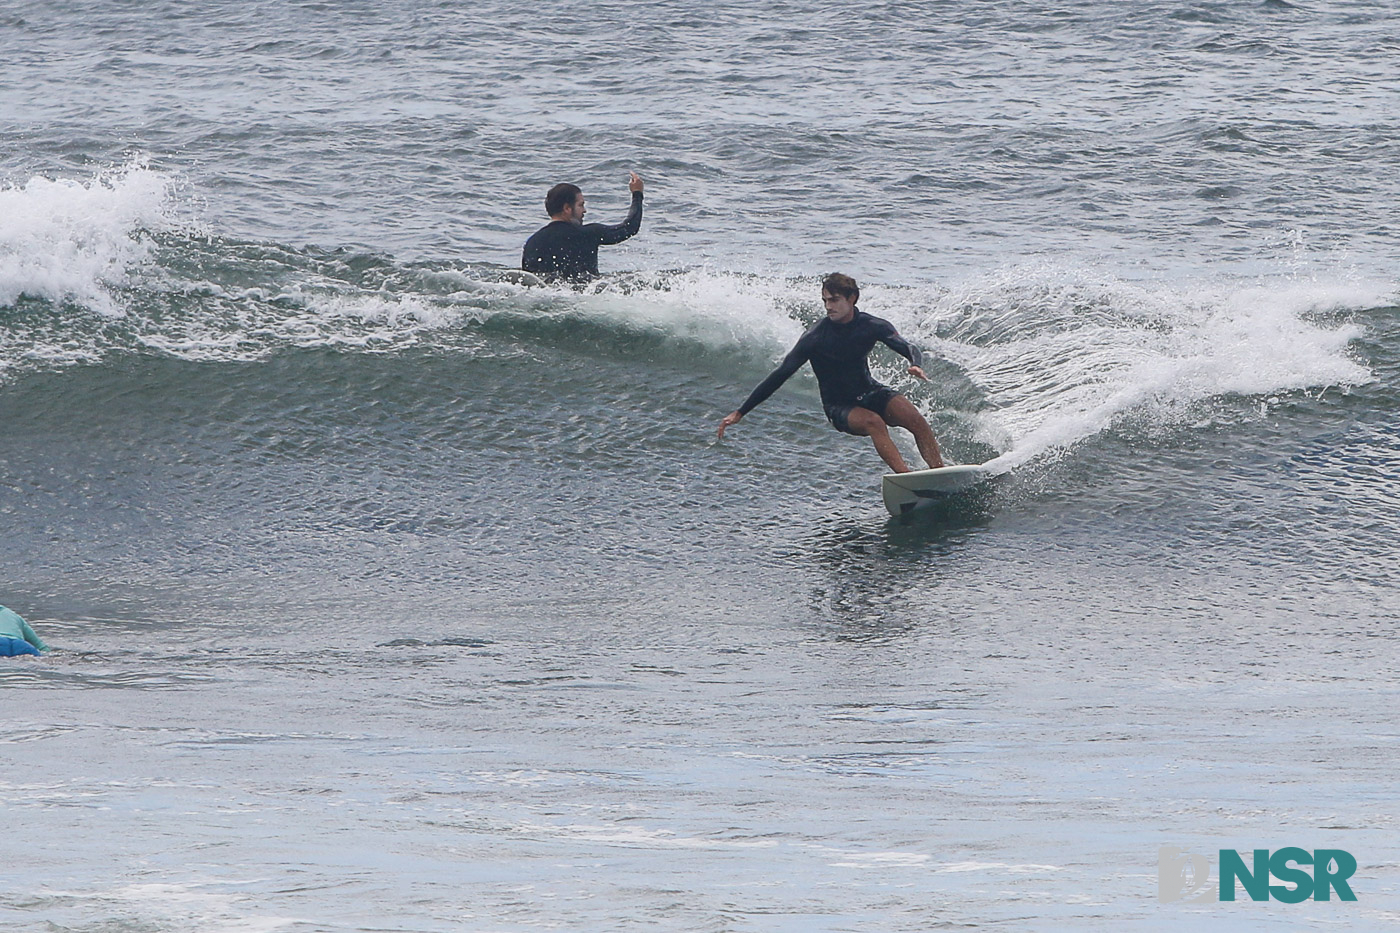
905	492
521	277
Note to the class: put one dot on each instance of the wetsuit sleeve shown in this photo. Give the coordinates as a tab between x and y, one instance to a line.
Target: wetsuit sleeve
607	235
790	364
31	636
890	338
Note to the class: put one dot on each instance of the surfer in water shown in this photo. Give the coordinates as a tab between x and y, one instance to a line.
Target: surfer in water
837	347
566	248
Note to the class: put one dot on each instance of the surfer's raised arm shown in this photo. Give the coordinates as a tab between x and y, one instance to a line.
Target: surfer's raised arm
611	235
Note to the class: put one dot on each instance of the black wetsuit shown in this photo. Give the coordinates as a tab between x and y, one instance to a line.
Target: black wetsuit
564	250
837	353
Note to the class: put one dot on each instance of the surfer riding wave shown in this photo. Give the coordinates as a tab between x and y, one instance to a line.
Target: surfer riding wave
837	347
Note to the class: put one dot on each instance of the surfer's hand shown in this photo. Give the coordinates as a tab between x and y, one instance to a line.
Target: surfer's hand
918	373
731	418
634	182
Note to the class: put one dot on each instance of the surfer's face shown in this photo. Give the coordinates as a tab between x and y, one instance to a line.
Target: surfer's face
577	209
839	308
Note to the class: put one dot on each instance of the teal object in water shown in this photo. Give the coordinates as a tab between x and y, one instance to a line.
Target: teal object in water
12	625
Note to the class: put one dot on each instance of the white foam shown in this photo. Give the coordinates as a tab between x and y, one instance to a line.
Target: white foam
302	316
854	858
366	320
718	310
639	837
71	240
715	308
1062	356
994	867
181	905
396	312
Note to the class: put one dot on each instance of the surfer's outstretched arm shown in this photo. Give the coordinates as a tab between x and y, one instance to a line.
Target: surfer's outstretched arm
790	364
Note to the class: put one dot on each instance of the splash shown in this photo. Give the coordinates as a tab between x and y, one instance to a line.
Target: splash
701	309
272	299
1062	356
66	240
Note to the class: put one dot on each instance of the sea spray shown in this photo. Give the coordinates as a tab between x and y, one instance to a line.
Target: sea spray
1062	355
68	240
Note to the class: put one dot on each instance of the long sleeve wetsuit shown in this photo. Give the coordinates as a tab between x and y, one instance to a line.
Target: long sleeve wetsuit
838	354
13	626
564	250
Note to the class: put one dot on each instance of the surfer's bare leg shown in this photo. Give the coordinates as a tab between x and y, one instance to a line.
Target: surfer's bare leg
866	423
901	412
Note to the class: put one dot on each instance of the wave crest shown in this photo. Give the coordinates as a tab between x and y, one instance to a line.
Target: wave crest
71	241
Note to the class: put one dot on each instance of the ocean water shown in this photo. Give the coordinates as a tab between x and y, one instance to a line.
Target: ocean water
391	594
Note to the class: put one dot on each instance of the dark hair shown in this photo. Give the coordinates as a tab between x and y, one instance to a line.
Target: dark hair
843	285
560	197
